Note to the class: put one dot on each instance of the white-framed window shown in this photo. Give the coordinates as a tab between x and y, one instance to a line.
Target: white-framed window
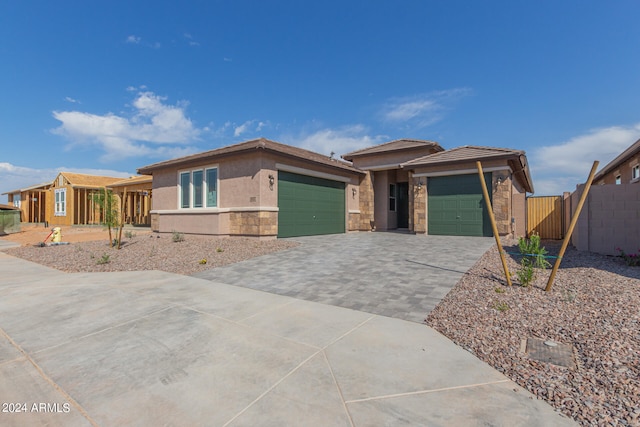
198	188
635	172
618	179
392	197
60	202
16	202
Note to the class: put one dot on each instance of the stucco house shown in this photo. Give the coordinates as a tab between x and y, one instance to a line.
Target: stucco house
624	169
266	189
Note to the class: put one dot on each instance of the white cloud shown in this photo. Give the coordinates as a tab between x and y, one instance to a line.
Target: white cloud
558	168
423	110
133	39
239	130
138	40
152	123
190	40
14	177
339	141
71	100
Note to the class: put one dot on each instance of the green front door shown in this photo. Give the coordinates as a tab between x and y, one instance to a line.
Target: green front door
308	205
456	206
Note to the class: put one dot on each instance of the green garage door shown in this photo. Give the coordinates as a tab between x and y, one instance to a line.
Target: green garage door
309	205
456	206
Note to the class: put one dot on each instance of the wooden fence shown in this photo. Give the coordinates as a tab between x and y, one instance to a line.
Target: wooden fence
545	217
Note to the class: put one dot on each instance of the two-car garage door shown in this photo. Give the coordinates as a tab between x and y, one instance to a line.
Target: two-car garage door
308	205
456	206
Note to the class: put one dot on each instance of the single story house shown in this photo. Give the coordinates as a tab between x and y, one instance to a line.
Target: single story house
624	169
266	189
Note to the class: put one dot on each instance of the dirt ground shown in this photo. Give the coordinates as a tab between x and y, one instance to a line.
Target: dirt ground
32	234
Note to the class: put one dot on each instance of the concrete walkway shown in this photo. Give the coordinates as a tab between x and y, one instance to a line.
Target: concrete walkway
153	348
392	274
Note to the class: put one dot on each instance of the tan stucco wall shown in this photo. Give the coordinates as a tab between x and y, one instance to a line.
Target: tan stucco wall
390	158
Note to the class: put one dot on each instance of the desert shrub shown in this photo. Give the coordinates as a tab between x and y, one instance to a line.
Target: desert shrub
177	237
533	257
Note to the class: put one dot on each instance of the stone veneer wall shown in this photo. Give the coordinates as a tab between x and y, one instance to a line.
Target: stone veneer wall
419	197
256	223
501	201
366	205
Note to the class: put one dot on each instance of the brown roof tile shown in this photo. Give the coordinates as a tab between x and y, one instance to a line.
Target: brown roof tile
396	145
253	145
472	153
463	154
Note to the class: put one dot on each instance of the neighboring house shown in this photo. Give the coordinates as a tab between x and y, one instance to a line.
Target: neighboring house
266	189
71	199
624	169
138	198
31	201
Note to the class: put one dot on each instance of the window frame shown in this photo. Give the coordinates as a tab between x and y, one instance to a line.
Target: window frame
392	197
635	172
60	202
196	195
618	179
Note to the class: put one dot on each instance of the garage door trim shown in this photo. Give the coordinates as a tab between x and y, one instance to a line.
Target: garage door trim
309	172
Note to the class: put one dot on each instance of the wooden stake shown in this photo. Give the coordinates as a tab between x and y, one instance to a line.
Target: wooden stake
494	227
123	214
572	225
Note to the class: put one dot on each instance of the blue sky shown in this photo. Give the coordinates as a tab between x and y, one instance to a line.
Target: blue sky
107	87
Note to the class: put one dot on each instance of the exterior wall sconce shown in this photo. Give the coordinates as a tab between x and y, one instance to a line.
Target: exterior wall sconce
272	179
354	192
419	185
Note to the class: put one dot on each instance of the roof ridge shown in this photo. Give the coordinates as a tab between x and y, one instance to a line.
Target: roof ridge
425	141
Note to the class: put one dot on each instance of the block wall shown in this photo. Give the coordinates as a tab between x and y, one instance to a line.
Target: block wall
610	219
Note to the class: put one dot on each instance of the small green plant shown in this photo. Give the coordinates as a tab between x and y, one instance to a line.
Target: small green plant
501	306
569	295
632	260
203	261
129	234
533	256
500	290
104	260
219	250
177	237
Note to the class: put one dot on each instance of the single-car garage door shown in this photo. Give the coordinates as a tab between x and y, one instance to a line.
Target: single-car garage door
456	206
308	205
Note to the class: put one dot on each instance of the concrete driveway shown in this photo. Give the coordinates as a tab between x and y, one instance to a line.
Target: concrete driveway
391	274
152	348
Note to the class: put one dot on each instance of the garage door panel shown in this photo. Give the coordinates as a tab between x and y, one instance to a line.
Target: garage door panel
456	206
309	205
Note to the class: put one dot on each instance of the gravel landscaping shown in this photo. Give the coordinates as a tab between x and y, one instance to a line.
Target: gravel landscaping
594	307
150	252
